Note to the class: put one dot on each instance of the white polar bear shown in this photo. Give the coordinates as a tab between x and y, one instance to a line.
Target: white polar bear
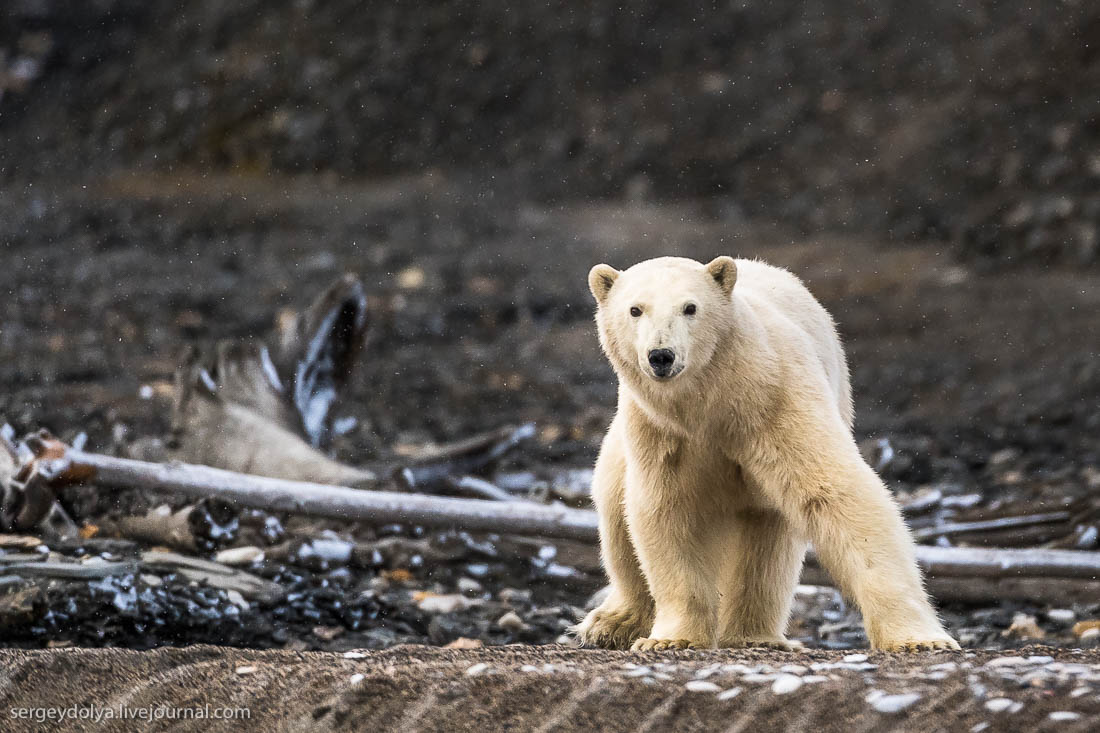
732	448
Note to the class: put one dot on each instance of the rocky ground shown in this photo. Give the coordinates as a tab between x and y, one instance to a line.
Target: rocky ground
554	689
975	394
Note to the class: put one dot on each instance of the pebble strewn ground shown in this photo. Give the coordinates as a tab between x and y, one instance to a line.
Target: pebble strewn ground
553	688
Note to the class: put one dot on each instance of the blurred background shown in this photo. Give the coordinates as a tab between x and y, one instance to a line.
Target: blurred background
179	172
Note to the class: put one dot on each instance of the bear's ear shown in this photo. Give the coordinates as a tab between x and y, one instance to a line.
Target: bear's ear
600	280
724	271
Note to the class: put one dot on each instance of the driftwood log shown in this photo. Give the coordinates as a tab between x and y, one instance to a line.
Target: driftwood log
954	573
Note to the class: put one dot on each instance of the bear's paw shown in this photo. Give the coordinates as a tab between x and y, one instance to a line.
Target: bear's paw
920	645
610	628
660	645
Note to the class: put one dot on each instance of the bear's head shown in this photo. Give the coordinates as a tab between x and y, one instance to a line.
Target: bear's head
665	317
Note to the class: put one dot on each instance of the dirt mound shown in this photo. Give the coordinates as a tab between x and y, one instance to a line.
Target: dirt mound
949	120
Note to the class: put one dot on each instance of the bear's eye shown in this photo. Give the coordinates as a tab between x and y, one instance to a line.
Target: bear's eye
635	311
689	309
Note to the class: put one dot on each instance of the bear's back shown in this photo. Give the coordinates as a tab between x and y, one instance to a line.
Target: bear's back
776	289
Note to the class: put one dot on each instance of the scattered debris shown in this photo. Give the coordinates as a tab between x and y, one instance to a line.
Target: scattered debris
1090	628
434	603
512	622
1024	627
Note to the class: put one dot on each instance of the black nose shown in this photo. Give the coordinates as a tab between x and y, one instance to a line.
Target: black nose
661	361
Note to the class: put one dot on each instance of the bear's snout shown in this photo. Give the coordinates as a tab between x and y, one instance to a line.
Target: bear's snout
661	361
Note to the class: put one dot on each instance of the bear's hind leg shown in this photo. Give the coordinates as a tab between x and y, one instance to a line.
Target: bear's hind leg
763	557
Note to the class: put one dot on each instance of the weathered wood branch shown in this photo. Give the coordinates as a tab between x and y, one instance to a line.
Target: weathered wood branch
337	502
974	572
974	589
442	463
216	575
949	529
156	527
213	574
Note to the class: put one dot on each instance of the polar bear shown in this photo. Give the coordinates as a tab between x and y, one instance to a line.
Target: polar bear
731	449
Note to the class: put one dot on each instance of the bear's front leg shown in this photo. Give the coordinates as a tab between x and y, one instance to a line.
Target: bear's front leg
627	612
811	467
671	538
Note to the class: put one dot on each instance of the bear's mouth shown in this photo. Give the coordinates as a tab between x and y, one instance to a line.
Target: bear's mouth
666	376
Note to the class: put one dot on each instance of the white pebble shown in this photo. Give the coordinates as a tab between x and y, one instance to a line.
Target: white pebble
639	672
705	672
855	658
793	669
528	668
1039	660
758	678
237	599
1006	662
246	669
356	678
477	669
354	655
813	679
999	704
979	727
468	585
1062	616
729	694
702	686
884	703
511	622
1079	692
786	683
239	556
1064	716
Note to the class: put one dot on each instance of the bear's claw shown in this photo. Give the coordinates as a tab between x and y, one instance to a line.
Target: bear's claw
934	645
660	645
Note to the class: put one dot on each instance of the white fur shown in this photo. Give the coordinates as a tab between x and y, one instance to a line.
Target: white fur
710	482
